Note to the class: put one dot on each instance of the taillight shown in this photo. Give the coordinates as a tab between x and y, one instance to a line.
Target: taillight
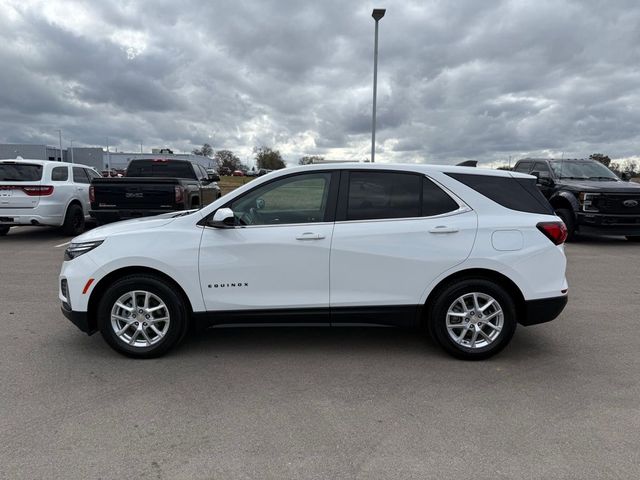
554	231
38	190
92	194
179	194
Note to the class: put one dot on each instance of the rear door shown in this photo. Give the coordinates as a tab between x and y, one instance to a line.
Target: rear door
17	180
81	183
395	233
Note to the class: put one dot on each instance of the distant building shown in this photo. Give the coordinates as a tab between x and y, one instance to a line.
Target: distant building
92	156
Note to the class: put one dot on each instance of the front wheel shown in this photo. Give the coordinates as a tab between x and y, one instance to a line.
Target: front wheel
4	229
473	319
141	316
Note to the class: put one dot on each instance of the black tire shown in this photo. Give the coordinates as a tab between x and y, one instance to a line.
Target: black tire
437	319
4	229
176	309
633	238
73	220
569	219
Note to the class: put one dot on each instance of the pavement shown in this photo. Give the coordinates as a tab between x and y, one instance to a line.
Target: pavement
561	402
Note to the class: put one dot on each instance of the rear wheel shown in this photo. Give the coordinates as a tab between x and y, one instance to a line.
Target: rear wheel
473	319
4	229
141	316
567	216
73	221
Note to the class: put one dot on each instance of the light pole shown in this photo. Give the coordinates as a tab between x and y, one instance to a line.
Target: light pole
60	139
71	148
377	14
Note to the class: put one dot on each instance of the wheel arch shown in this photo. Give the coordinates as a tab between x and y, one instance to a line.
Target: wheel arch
471	273
564	200
112	277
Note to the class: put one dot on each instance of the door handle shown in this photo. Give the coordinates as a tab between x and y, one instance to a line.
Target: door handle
443	229
310	236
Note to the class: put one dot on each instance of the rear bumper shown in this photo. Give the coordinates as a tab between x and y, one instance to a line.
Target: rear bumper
543	310
604	224
13	218
109	216
80	320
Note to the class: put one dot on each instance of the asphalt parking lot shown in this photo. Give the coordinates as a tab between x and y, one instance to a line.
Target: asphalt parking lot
563	401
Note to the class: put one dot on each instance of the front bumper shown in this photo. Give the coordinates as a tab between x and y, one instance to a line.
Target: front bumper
608	224
542	310
80	320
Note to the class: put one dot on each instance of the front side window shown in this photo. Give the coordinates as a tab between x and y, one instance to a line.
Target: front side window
296	199
541	167
60	174
92	174
378	195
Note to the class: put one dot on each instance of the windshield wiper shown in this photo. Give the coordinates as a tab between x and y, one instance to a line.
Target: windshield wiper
602	178
575	178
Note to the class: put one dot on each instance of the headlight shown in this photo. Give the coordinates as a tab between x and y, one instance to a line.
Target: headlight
587	201
76	249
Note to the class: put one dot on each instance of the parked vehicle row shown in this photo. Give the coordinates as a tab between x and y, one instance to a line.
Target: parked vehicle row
587	196
463	253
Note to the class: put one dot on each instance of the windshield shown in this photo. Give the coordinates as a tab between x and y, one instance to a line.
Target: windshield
20	172
582	170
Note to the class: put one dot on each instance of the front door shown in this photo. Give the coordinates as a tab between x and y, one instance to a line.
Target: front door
274	264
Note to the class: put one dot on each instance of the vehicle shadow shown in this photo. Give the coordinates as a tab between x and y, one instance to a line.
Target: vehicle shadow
583	239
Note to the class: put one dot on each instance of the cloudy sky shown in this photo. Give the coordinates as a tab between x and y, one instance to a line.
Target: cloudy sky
458	79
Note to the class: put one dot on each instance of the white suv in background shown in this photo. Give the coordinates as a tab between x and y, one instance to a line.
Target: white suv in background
41	192
463	253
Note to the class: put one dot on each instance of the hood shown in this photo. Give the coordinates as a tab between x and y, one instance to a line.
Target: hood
601	186
136	224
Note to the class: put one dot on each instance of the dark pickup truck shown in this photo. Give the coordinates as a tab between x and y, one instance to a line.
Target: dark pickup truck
152	187
587	196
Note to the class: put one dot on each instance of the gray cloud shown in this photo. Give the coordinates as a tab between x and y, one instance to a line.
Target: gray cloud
457	80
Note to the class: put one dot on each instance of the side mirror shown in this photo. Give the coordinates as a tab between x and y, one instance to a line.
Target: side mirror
223	218
214	177
625	177
543	178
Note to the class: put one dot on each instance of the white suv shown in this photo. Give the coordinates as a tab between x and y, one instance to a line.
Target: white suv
41	192
462	253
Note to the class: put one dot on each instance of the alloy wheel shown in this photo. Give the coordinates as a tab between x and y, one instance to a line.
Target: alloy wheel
140	318
474	320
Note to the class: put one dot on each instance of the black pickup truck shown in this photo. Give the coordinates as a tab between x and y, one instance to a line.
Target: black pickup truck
152	187
588	196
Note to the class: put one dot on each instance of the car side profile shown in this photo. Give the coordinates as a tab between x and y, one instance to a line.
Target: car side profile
42	192
462	253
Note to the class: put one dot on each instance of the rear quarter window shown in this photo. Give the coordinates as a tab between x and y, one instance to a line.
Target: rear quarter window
519	194
60	174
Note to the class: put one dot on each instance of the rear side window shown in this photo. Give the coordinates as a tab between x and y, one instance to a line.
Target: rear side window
80	175
376	195
60	174
519	194
20	172
435	201
522	167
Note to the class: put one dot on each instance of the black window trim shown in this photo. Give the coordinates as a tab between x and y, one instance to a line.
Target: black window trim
343	197
330	213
